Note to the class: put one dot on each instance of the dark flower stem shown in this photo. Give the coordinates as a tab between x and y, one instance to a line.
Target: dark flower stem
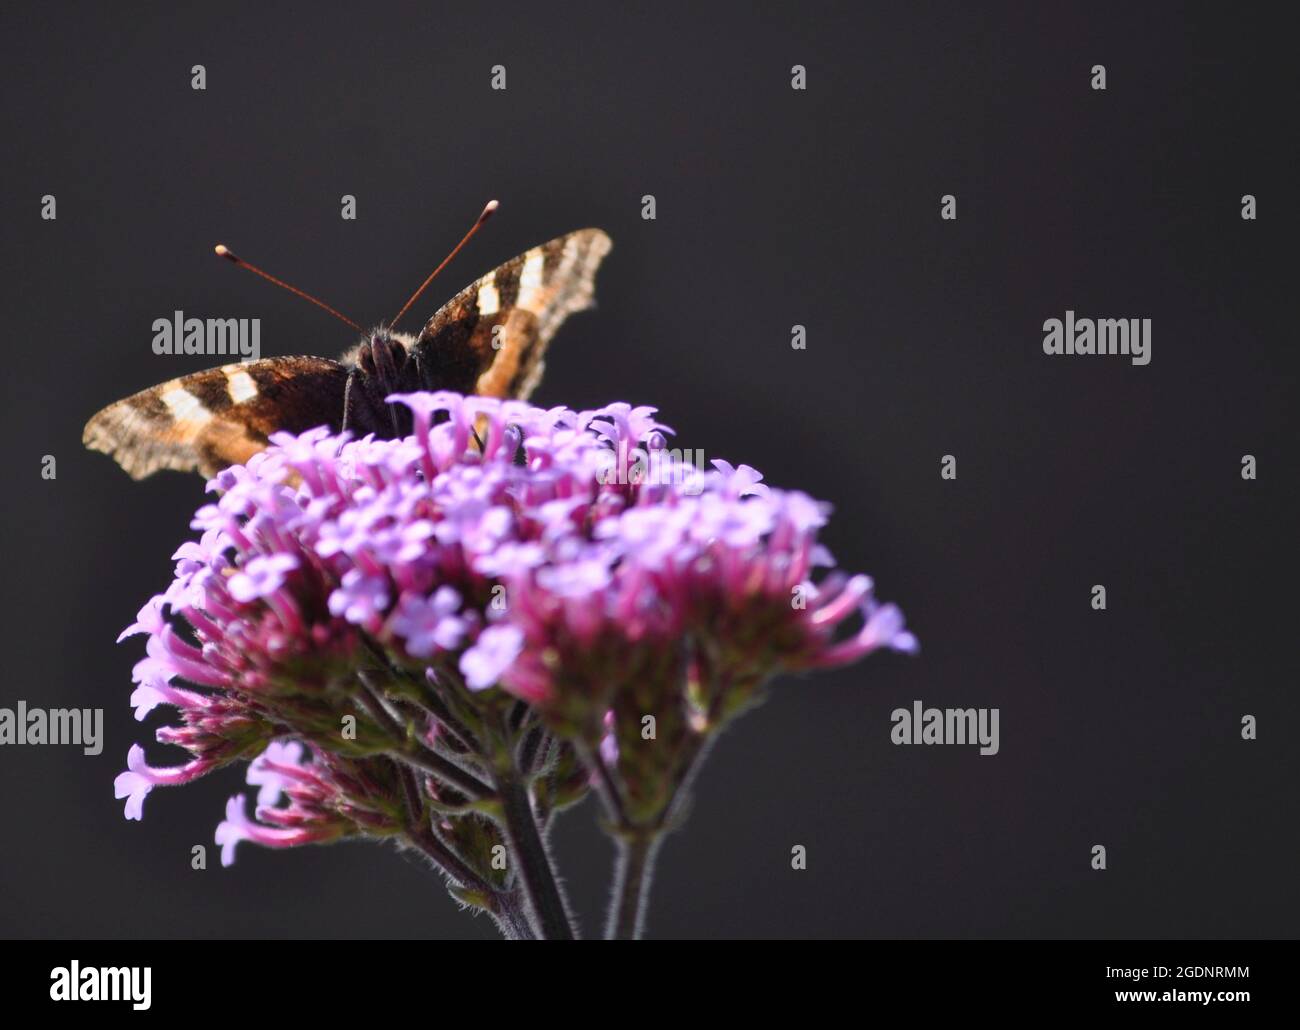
507	908
436	707
531	749
451	863
632	876
638	843
535	871
541	910
511	914
467	783
606	788
411	751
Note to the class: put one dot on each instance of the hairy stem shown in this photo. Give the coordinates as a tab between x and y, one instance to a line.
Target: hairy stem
529	850
467	783
409	750
443	713
449	862
632	875
510	912
638	842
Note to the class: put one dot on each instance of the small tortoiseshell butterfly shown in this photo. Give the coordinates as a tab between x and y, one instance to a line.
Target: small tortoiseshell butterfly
489	339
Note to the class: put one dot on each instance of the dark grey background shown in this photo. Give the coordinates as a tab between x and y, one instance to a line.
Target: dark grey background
775	207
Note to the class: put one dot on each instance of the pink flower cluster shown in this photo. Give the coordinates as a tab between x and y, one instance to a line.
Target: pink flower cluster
563	557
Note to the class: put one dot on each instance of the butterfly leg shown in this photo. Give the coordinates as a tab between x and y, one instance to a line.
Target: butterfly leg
349	400
389	361
363	400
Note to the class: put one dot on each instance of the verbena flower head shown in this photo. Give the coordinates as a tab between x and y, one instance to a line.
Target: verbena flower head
567	559
326	798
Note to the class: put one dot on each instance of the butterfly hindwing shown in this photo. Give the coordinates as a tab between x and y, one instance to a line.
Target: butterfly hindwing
525	301
210	420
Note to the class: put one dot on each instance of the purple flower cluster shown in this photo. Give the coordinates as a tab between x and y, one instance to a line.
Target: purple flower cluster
568	558
327	798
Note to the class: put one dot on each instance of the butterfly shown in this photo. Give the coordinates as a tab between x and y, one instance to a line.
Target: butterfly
489	339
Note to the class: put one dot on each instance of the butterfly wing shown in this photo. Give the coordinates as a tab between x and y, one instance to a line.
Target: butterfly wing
491	337
211	420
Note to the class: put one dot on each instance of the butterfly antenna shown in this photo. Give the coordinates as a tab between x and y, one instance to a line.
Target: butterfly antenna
229	255
487	213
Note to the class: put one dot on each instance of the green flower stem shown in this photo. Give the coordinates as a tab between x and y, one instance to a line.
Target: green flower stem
541	910
637	850
529	851
449	862
410	751
510	911
438	707
467	783
507	908
531	750
639	842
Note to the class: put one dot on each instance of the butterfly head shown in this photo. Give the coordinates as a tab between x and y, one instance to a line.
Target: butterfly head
383	354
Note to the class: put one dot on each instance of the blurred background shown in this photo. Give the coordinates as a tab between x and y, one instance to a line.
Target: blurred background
775	207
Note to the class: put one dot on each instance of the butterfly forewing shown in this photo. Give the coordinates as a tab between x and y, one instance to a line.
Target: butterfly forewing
219	417
490	338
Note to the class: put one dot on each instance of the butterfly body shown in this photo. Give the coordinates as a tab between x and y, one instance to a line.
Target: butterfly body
489	339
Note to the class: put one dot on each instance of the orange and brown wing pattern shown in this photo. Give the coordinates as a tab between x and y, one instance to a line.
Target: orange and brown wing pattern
491	337
210	420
